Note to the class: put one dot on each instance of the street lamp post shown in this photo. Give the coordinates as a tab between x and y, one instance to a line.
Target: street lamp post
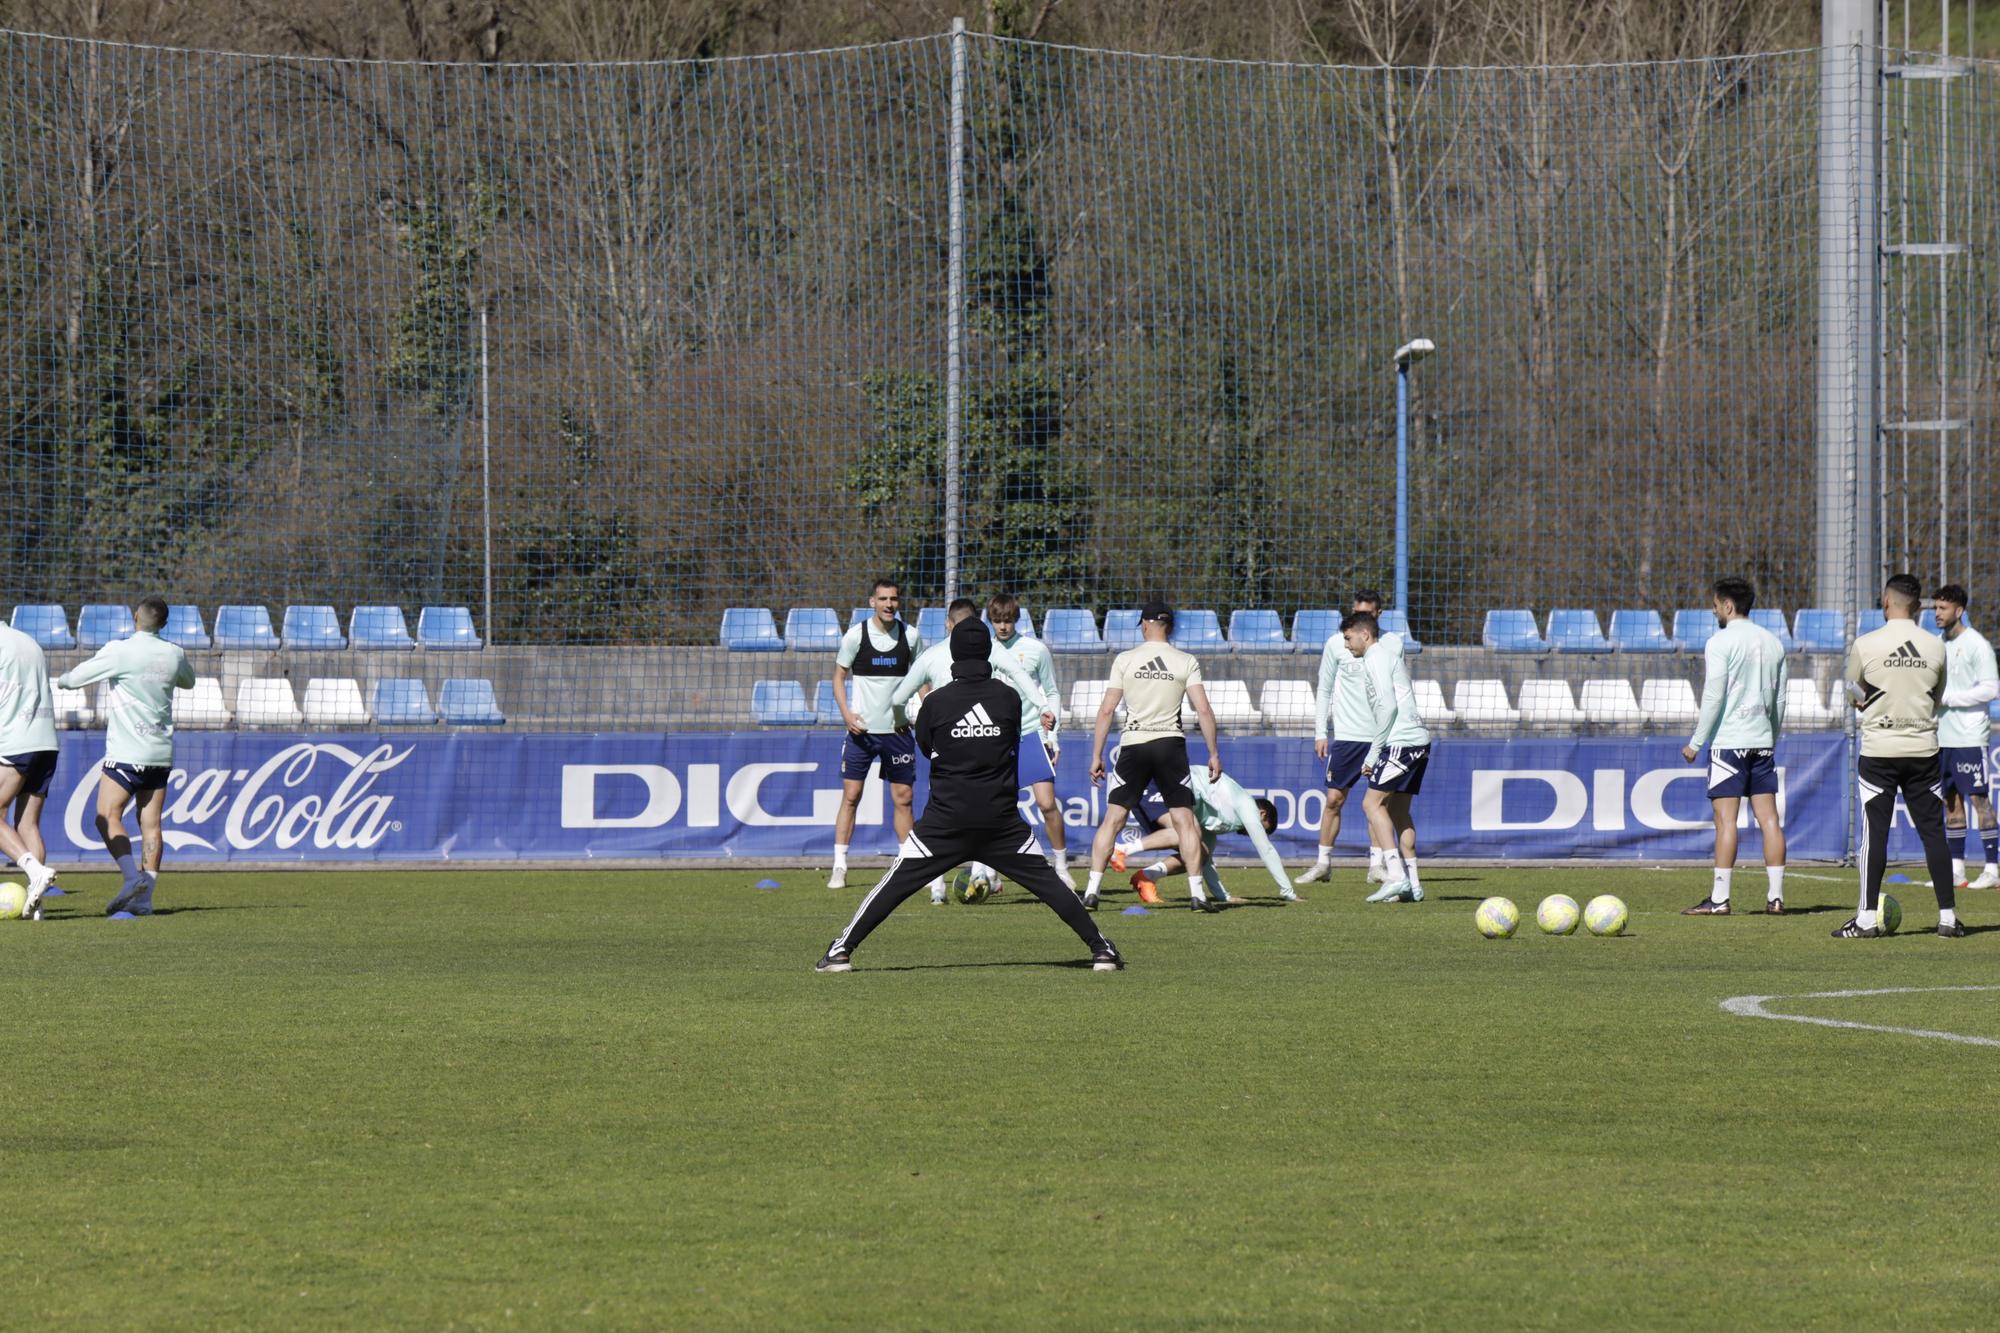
1406	356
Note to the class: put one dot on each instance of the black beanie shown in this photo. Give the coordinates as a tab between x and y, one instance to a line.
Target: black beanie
971	641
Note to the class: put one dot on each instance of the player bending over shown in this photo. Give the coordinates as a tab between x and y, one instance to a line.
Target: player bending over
27	758
1397	756
1343	695
971	731
144	671
1221	807
1972	681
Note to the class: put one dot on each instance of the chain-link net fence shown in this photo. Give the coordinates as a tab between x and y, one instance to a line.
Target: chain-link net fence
598	353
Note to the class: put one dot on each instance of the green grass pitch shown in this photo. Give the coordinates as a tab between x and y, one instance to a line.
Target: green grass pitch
605	1099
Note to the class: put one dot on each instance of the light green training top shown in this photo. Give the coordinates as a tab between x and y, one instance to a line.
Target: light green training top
933	669
1392	698
1743	699
144	671
1034	657
873	697
1968	665
1223	806
27	708
1343	692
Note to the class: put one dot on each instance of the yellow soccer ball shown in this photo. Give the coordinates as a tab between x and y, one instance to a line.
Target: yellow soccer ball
1557	915
1496	918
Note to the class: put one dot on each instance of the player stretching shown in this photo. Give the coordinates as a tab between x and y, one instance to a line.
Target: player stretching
144	670
1038	745
932	670
1152	679
877	653
1343	692
1221	807
1971	682
1742	712
1397	756
27	758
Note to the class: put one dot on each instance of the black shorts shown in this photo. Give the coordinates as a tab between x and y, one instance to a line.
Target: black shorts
1163	763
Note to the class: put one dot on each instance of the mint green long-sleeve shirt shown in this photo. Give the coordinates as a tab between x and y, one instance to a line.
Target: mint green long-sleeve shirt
1223	806
933	668
1343	695
1743	698
144	671
1392	699
27	708
1033	657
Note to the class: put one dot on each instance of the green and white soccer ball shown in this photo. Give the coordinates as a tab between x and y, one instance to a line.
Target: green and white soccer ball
13	901
969	888
1497	918
1605	915
1892	914
1557	915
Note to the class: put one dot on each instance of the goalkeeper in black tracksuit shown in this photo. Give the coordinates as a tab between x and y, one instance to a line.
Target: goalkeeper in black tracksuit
970	730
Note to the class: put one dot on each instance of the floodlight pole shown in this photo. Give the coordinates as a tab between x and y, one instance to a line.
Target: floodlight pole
1406	356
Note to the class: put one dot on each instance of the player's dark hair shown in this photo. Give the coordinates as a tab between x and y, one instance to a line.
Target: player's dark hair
1738	593
150	613
1370	596
1953	593
1906	588
885	583
1270	813
1003	604
959	609
1361	620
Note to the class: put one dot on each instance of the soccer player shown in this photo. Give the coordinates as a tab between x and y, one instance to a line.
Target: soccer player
1398	754
1343	694
1221	807
27	758
1742	712
932	670
144	671
1896	675
1038	743
877	653
1152	680
971	731
1971	682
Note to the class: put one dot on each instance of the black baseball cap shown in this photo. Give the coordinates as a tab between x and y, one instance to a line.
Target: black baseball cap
1156	611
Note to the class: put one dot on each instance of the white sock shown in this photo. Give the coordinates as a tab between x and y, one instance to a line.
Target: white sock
37	872
130	868
1325	856
1992	869
1719	891
1957	869
1157	870
1410	871
840	855
1776	874
1061	859
1377	858
1865	920
1096	879
1947	917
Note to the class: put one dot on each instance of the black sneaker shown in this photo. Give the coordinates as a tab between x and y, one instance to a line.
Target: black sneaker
1106	958
1851	930
1774	907
1707	907
834	960
1954	931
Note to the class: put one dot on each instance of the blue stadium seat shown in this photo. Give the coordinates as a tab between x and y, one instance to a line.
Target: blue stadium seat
781	703
1071	630
1993	710
1398	622
1772	619
46	625
1819	630
1573	630
312	629
1198	632
930	624
812	629
1640	632
469	703
447	629
1872	619
861	613
1694	626
826	712
184	627
380	629
239	627
1121	628
1023	626
402	703
1311	629
99	623
1258	632
1513	631
750	629
1927	618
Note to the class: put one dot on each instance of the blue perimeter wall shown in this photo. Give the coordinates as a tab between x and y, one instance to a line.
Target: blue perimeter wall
473	796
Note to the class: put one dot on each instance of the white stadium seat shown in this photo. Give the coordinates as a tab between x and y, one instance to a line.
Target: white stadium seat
1805	709
1669	703
1287	704
266	701
334	701
1431	706
1084	698
1483	703
201	707
1549	703
1229	700
73	710
1611	703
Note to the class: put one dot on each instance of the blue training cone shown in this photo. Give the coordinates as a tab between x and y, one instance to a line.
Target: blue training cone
121	916
53	892
1895	879
765	884
1135	910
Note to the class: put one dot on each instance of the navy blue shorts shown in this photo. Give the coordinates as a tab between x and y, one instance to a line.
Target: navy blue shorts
1741	773
1343	763
139	781
896	749
1964	769
1035	763
37	768
1401	769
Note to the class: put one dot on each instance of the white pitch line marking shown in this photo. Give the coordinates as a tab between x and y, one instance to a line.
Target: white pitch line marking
1752	1006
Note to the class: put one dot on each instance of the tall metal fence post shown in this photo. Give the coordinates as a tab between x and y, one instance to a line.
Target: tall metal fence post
954	322
486	471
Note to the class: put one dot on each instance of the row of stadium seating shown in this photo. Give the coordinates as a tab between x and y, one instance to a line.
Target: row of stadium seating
1475	704
1814	630
268	701
307	628
817	629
